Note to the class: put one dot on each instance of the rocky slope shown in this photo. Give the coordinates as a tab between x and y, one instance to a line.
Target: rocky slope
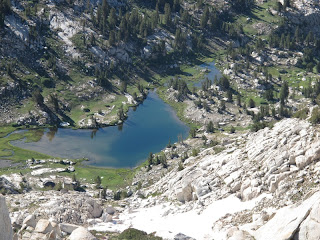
253	181
264	185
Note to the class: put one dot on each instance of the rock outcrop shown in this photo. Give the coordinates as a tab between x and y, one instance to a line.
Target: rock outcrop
264	185
81	234
5	226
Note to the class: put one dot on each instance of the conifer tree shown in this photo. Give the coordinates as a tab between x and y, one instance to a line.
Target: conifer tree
167	15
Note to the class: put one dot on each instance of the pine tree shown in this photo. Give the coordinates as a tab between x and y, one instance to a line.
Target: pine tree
251	103
155	19
229	95
167	15
92	40
185	17
112	18
54	100
204	18
239	100
105	9
98	182
176	6
150	159
112	38
37	97
284	92
121	115
210	127
297	35
193	132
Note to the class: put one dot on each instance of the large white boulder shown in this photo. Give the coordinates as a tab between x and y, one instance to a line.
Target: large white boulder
68	228
94	208
30	221
310	228
43	226
5	223
81	233
287	220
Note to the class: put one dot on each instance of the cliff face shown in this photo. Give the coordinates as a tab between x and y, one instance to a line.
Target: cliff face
5	226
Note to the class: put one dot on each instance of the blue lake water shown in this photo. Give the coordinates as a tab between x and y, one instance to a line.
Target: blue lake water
148	129
213	71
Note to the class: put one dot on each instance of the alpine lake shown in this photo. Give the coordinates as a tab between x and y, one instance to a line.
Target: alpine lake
148	128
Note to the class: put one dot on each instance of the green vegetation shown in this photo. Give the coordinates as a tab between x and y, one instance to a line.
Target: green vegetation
210	127
302	114
112	178
315	116
134	234
8	151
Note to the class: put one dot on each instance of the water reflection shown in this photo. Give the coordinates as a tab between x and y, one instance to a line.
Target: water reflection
93	133
51	133
120	127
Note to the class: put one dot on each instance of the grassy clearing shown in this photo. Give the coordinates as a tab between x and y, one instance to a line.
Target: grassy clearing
8	151
111	178
191	73
259	14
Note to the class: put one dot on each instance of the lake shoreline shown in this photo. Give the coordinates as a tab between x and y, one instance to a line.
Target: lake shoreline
147	129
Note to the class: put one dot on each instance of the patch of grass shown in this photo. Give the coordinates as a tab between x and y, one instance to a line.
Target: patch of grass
8	151
259	14
135	234
110	177
218	149
302	113
5	130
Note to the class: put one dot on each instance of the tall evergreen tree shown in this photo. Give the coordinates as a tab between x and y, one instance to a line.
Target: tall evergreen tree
167	15
284	92
112	18
204	18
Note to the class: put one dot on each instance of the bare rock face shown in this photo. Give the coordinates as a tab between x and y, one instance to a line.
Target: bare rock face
43	226
30	221
68	228
94	209
288	219
81	234
5	226
7	186
310	228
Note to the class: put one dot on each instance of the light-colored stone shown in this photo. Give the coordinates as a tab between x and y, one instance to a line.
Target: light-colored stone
43	226
310	228
30	221
95	210
5	222
67	227
110	210
286	221
81	233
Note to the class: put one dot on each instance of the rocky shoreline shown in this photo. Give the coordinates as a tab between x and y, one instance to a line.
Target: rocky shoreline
253	189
